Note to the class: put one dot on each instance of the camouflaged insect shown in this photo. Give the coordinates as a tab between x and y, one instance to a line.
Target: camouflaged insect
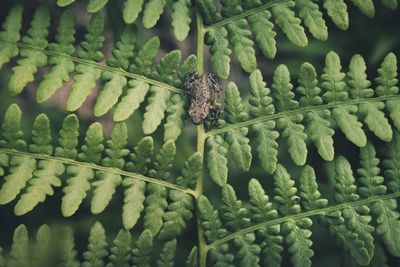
204	91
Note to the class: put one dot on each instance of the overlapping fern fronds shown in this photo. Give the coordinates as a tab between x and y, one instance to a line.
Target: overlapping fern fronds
256	234
313	111
240	22
55	246
129	75
32	171
151	10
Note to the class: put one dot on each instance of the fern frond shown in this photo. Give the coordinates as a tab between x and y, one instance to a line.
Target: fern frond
142	249
11	27
19	254
31	59
97	247
129	64
120	252
167	254
314	112
288	15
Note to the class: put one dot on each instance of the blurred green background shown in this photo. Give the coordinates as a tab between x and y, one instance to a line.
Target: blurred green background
372	38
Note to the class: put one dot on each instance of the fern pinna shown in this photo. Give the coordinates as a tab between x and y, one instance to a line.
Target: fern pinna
165	201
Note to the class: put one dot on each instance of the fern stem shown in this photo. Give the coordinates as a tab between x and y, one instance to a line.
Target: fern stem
297	111
200	44
299	216
201	138
99	168
98	66
244	14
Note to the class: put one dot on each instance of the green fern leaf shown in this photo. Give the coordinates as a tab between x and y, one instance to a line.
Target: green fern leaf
312	17
105	188
191	170
156	202
365	6
210	220
106	184
108	96
208	10
387	80
309	193
93	147
290	25
133	201
188	66
230	7
191	260
239	145
167	66
175	118
239	36
44	179
63	3
220	52
62	65
11	27
41	136
217	162
142	249
234	214
135	95
68	140
292	129
155	110
121	250
65	244
359	88
11	129
4	162
97	247
181	19
371	184
141	156
297	235
167	254
179	211
392	4
163	162
260	101
248	252
152	12
318	128
95	5
20	172
145	57
221	256
267	147
131	10
336	90
356	219
261	210
43	249
390	163
78	184
85	80
264	33
337	11
19	254
31	59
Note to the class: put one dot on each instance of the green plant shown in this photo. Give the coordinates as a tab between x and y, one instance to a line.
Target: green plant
163	198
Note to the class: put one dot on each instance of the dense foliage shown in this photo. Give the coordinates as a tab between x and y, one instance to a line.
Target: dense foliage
286	134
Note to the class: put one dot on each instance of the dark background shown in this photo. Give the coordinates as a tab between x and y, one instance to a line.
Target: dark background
372	38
